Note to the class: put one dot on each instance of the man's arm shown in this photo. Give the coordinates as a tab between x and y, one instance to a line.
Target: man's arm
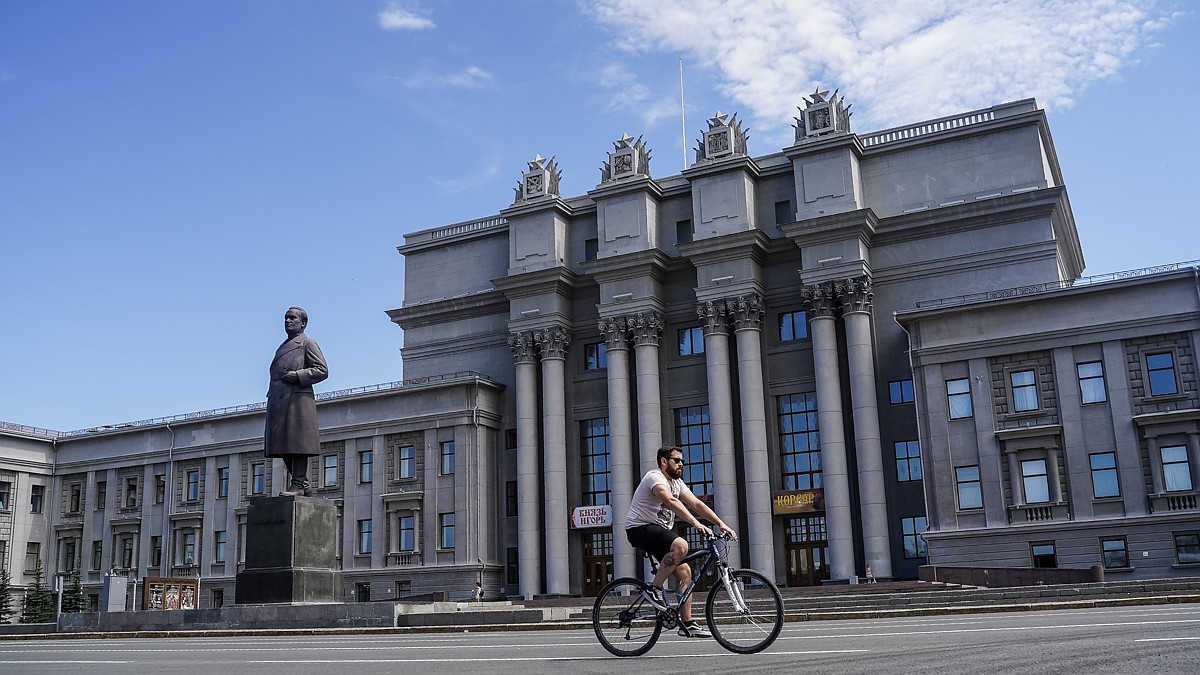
693	502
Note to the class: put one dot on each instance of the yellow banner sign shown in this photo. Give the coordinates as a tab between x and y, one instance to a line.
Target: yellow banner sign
797	501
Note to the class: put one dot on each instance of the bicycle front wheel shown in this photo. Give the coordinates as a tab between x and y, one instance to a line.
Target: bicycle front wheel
625	623
747	617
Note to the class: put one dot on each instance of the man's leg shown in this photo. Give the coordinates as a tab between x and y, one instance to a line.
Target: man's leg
683	574
666	567
297	468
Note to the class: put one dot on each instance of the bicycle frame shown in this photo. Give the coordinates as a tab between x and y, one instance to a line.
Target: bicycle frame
711	555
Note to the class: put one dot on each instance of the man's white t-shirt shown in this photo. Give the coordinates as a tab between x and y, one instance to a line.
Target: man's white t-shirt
646	508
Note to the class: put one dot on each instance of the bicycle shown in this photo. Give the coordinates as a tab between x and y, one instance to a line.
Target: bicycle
744	609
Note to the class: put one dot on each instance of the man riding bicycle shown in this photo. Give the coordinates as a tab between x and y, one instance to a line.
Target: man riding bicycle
661	496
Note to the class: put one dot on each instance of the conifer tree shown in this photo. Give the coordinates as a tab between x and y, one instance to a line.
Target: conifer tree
6	598
74	599
38	606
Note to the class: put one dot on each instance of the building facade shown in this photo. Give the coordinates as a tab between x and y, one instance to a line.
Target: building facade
742	310
1061	424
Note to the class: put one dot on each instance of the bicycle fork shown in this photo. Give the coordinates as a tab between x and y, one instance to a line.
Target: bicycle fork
735	592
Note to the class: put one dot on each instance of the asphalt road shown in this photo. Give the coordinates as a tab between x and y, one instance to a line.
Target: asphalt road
1148	639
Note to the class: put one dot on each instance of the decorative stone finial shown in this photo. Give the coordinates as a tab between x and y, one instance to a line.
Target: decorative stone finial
821	115
629	158
723	138
541	180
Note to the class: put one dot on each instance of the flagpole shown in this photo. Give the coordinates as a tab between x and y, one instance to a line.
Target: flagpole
682	114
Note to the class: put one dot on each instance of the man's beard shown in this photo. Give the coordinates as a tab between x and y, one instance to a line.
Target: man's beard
674	471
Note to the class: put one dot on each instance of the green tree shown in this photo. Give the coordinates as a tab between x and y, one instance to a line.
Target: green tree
74	599
6	599
38	606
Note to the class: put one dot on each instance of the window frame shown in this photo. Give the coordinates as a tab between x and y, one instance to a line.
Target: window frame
258	478
899	394
1034	555
955	396
192	485
446	532
1193	555
364	537
6	492
1026	477
512	503
959	483
410	531
402	462
908	461
326	466
1150	371
220	541
1105	550
911	529
1091	379
366	466
446	458
1020	393
37	498
1105	470
222	482
690	341
595	356
132	486
1186	473
795	324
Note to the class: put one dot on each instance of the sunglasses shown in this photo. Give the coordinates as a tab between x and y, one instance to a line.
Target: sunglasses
677	460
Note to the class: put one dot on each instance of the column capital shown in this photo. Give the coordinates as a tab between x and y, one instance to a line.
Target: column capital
856	294
819	300
646	327
747	311
522	347
713	315
616	332
552	342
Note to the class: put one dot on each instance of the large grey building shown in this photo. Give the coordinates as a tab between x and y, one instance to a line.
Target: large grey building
742	310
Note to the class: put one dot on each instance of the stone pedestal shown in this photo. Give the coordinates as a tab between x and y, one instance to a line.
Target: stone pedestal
291	552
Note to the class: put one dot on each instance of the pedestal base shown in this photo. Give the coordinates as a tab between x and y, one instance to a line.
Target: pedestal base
291	552
289	584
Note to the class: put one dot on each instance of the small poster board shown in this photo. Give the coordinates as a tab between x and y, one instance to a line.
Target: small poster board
170	593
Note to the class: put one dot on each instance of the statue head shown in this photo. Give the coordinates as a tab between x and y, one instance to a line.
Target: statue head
295	320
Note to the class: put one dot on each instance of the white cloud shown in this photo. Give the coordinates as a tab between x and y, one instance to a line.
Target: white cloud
625	93
464	183
471	77
896	60
394	17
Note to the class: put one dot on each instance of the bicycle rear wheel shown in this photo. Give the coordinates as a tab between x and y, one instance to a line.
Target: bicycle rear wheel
748	617
625	623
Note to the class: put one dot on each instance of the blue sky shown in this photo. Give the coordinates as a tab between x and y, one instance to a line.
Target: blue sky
174	175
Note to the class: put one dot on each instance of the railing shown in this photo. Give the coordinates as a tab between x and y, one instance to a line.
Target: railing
29	431
469	226
1051	286
252	407
948	123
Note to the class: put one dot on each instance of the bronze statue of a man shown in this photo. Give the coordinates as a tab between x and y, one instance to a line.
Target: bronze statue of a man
291	432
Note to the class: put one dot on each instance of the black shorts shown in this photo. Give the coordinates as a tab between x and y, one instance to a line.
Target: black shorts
653	539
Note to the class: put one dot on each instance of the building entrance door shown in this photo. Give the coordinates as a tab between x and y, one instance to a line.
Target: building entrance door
597	560
807	551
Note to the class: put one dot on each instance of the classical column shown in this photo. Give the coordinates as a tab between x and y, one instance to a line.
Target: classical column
1193	444
1016	483
620	439
646	328
856	296
819	300
1052	475
713	317
529	477
552	343
748	317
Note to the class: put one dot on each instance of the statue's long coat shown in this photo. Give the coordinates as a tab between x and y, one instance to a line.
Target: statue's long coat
291	408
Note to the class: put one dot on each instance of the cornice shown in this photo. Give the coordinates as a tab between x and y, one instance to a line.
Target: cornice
653	262
536	206
737	245
481	303
706	168
861	223
537	281
626	186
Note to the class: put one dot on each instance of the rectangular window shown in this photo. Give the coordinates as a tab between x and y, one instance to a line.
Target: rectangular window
160	488
67	563
593	445
958	397
403	588
1104	475
793	326
97	554
900	391
364	536
131	492
970	490
258	478
784	213
189	547
127	552
1177	471
408	534
1160	372
1187	548
366	466
595	356
908	460
329	470
3	554
1035	481
33	555
5	495
218	598
591	249
800	443
691	341
914	544
219	541
37	498
446	530
683	231
193	485
74	498
1115	552
101	494
1043	555
1024	390
1091	382
510	498
408	462
692	437
447	458
155	551
223	482
513	566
